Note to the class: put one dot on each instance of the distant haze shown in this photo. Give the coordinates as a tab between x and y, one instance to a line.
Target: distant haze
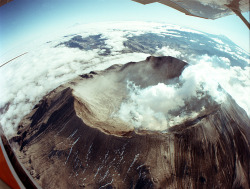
26	20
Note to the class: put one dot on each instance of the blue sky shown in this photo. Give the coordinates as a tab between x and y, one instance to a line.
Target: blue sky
22	20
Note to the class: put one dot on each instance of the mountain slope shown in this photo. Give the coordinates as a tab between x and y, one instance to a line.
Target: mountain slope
71	139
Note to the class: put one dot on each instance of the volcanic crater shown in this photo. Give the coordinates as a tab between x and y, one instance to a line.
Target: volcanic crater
73	138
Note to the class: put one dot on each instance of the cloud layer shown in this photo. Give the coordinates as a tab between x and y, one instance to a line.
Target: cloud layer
24	81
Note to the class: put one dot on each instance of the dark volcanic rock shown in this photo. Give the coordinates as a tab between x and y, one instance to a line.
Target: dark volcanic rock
88	43
70	139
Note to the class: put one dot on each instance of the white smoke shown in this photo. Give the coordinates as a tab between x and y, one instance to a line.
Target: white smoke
155	107
167	51
162	106
24	81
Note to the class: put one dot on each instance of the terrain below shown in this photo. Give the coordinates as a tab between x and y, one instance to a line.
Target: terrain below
71	138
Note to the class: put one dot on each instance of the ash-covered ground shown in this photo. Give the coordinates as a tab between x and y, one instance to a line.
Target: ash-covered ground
148	124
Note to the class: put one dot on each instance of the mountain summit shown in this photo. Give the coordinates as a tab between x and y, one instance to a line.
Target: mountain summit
75	138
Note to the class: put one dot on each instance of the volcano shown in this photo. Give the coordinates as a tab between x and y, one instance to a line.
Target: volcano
73	139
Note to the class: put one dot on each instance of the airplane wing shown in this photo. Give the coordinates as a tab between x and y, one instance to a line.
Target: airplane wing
209	9
3	2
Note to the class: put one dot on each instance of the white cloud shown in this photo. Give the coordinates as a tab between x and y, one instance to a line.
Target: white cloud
218	41
234	80
24	81
152	108
167	51
115	40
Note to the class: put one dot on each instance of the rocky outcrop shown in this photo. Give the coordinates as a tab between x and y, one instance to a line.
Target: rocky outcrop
71	139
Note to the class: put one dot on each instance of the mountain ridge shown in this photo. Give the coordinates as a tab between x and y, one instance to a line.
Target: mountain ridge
66	142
